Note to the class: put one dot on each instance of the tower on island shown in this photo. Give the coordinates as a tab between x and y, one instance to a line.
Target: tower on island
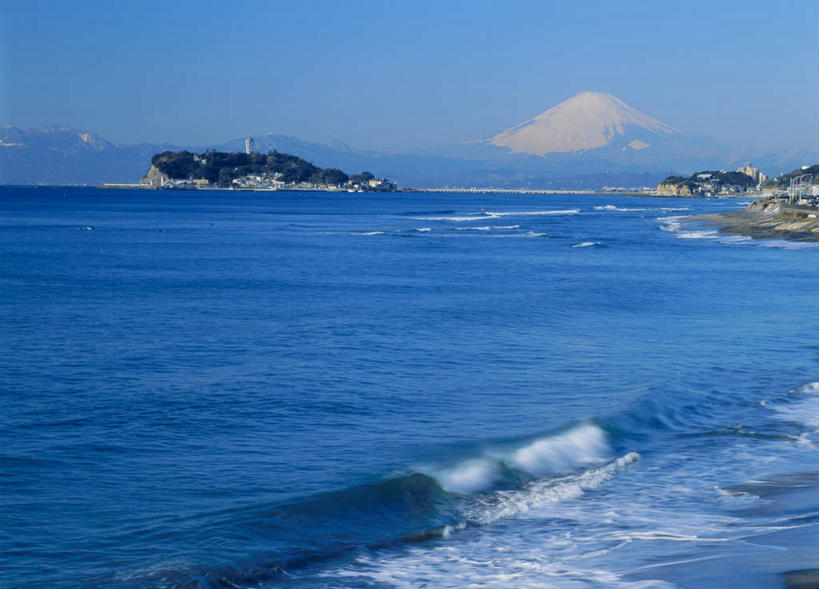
249	145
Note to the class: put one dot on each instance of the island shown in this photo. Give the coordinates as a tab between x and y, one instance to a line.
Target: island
252	171
712	183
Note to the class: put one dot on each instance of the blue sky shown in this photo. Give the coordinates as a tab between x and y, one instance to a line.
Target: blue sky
406	75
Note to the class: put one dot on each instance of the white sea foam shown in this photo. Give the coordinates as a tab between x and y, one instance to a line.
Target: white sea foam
521	234
810	388
619	209
586	244
734	238
578	447
804	410
672	224
675	225
705	234
423	229
455	219
584	444
665	536
524	213
543	492
370	233
788	245
488	228
468	476
484	562
484	215
737	498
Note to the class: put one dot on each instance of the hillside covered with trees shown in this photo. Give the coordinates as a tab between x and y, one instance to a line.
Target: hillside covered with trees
706	183
784	180
224	169
713	177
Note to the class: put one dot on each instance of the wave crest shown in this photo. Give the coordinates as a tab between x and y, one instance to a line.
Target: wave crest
578	447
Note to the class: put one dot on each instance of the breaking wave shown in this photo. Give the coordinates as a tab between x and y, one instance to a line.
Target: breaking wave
678	226
510	503
801	406
431	502
579	446
619	209
484	215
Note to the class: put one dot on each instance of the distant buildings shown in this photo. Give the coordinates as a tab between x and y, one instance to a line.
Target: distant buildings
249	145
754	173
274	181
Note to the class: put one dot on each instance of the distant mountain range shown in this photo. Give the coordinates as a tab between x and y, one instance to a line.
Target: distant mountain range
592	139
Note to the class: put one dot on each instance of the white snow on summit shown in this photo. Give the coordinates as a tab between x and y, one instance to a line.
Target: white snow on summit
586	121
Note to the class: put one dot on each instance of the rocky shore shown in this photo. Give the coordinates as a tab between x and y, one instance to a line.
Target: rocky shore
767	218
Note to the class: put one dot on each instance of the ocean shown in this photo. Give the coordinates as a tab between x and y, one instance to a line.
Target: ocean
219	389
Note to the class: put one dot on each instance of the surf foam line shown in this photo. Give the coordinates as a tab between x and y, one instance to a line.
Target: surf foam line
497	215
619	209
487	227
676	225
525	213
800	406
539	493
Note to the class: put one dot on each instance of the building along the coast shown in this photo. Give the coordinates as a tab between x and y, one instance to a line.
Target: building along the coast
754	173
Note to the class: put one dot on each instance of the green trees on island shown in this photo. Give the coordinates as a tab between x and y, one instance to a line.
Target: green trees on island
715	177
361	178
329	176
222	168
784	180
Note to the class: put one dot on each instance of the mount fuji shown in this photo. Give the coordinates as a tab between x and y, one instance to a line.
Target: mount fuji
594	131
590	120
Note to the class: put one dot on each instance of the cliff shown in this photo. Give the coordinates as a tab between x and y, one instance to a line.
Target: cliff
673	189
154	177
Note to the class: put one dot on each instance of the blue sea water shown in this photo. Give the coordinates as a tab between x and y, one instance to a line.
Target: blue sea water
212	389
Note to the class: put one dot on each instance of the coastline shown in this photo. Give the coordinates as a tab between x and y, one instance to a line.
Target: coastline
767	219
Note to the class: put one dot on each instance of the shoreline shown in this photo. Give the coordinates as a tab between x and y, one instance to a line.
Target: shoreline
766	219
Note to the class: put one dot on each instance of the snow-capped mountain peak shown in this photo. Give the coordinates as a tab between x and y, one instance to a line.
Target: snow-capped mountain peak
586	121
